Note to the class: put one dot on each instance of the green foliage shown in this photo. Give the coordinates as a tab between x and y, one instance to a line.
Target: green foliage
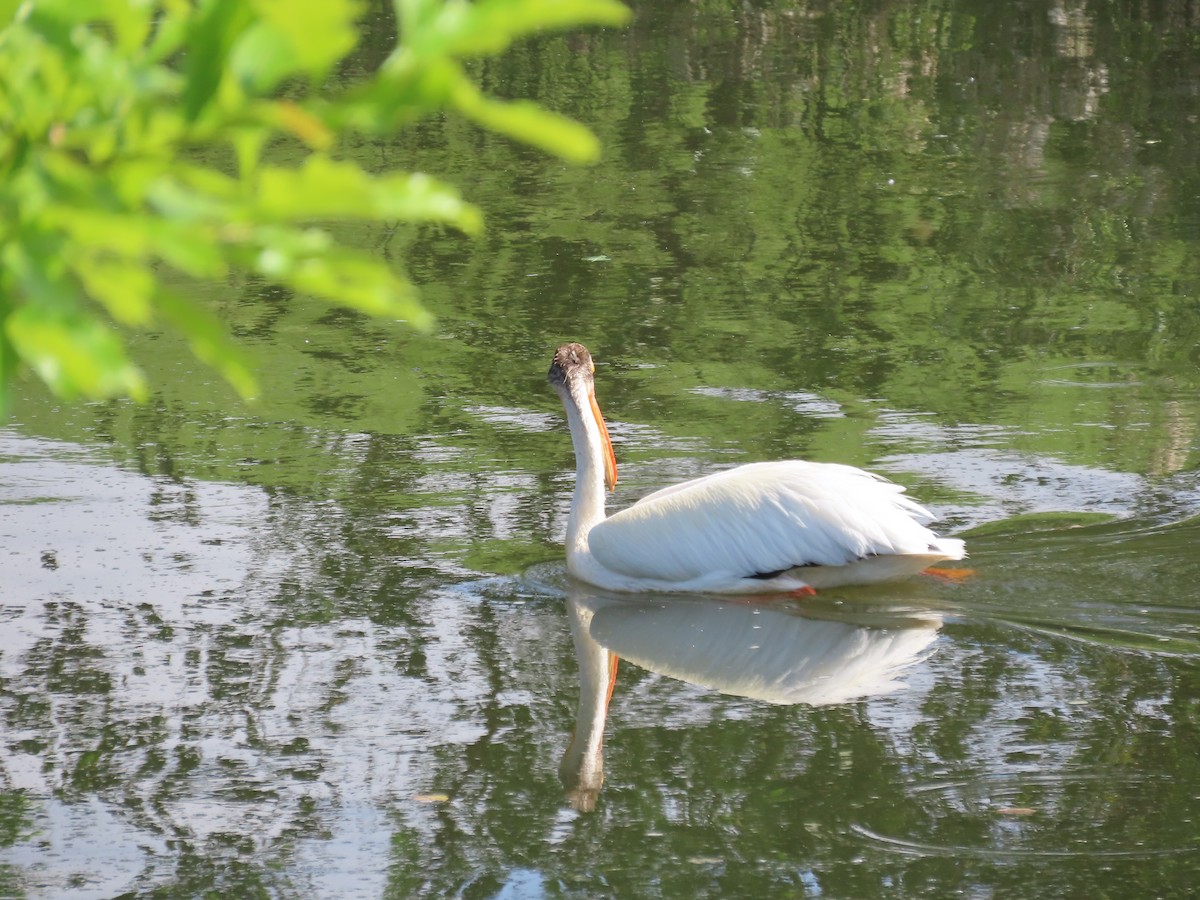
141	142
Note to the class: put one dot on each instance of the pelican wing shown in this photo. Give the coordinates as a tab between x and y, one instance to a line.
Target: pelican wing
759	519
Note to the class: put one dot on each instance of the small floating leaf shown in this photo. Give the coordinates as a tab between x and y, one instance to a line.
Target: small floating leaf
432	798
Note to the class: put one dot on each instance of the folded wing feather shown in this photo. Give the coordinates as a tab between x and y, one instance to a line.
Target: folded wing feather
762	517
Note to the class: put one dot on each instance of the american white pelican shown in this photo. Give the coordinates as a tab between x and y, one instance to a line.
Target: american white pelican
772	527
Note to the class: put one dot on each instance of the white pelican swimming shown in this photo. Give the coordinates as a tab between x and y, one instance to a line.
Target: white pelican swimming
760	528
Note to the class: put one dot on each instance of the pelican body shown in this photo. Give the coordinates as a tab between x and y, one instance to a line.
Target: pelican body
771	527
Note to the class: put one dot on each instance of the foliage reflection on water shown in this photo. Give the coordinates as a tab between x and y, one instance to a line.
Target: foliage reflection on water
161	690
313	648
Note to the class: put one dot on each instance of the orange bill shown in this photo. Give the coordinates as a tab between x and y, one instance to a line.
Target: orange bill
610	459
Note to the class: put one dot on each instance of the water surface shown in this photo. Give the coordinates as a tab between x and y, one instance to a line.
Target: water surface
325	645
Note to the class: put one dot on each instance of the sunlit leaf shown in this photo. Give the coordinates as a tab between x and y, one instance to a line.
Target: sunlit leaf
74	353
294	39
248	145
170	29
347	277
529	123
175	200
209	342
8	11
117	123
282	246
262	58
100	229
126	289
363	284
324	188
71	350
131	22
54	19
414	17
299	122
188	247
405	89
209	181
8	353
492	25
33	260
209	42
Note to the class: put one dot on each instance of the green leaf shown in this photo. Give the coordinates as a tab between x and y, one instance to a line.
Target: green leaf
491	26
8	353
209	342
130	22
74	353
117	122
175	200
406	88
125	289
290	118
529	123
209	41
459	28
414	17
312	263
295	38
189	247
71	350
361	283
101	230
324	188
8	13
248	145
170	30
54	18
262	58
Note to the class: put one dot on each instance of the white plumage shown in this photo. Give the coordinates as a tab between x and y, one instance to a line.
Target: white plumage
763	527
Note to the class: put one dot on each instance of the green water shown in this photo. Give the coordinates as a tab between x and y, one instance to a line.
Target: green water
324	646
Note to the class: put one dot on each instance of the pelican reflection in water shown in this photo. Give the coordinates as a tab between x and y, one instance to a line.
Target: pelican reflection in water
773	652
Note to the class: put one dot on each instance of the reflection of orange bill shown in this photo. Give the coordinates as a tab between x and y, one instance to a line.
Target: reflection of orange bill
954	576
612	679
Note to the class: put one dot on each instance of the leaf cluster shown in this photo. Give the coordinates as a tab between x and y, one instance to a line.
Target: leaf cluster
140	147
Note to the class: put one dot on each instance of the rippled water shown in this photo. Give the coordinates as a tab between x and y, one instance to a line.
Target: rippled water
178	702
326	646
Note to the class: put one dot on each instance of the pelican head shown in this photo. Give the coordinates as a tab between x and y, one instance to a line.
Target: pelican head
571	363
572	377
